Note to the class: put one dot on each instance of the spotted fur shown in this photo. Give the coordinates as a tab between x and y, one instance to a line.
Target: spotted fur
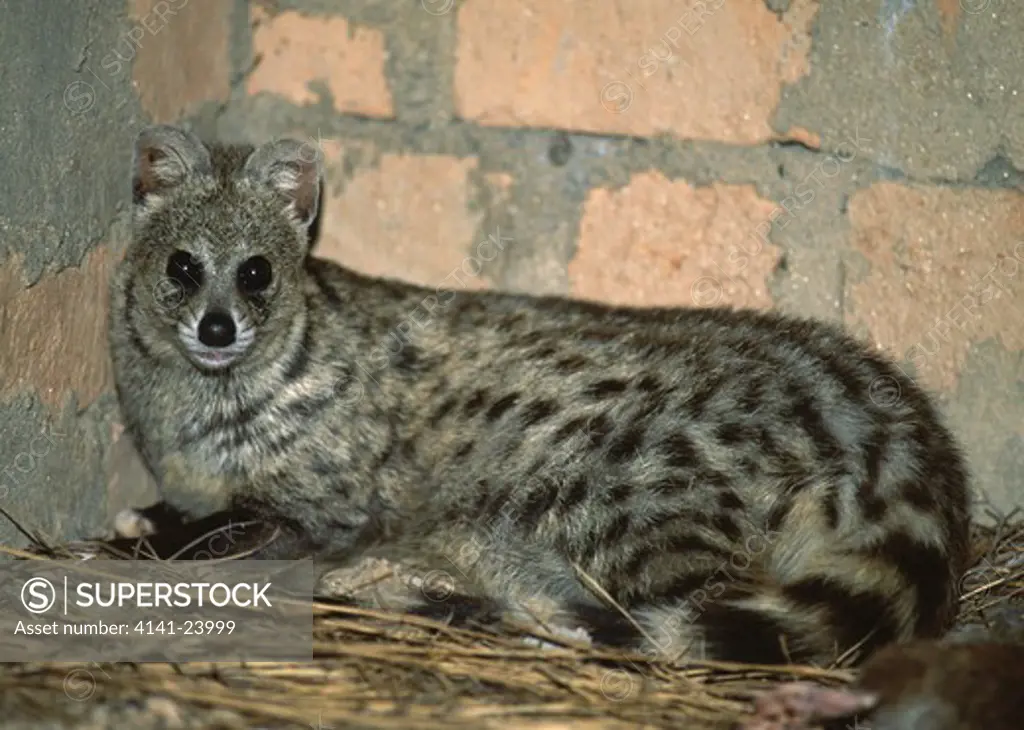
745	485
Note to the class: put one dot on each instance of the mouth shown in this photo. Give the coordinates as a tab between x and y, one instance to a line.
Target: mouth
209	359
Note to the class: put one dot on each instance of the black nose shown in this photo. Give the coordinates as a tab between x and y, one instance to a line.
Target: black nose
217	329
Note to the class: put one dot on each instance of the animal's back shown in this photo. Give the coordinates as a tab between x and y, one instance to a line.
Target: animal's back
726	477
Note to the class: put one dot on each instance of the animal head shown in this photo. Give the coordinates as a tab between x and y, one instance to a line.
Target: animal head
220	237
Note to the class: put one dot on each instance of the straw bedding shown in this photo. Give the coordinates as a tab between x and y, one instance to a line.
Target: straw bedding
376	670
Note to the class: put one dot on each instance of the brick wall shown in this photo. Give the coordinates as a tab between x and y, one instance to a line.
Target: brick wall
855	161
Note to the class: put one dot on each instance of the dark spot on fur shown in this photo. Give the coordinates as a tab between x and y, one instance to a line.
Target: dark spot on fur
482	495
726	525
749	466
586	549
571	364
872	508
537	503
778	514
797	481
732	433
616	530
500	407
767	444
804	412
599	336
270	446
917	493
680	452
715	479
323	468
656	522
741	634
408	360
317	272
875	448
728	499
671	485
444	409
569	428
576	493
627	444
649	384
690	542
853	614
605	388
830	507
464	450
922	435
530	339
539	411
672	535
475	403
499	503
620	493
597	429
682	586
926	568
701	396
753	396
389	450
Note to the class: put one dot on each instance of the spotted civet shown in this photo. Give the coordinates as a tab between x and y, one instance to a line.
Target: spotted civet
760	486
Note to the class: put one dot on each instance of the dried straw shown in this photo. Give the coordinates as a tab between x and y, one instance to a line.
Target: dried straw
379	670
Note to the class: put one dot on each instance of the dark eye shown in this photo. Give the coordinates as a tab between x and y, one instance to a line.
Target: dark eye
254	275
185	269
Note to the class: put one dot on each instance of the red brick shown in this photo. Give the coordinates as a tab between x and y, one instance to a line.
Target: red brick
560	63
182	59
407	218
924	297
55	333
295	49
659	242
950	11
804	136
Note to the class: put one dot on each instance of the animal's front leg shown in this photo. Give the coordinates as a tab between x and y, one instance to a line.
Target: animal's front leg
191	500
163	533
134	523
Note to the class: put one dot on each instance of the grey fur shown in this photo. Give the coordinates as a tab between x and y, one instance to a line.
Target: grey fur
726	476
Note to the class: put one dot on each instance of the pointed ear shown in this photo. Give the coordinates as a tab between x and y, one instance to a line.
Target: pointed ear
292	170
165	157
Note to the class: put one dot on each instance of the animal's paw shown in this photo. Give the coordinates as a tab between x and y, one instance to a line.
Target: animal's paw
130	524
801	705
577	635
546	617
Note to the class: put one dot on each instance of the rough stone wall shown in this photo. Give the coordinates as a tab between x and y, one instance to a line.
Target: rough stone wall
856	161
79	78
